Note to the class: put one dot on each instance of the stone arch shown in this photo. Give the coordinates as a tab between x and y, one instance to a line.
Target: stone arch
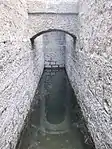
41	22
55	57
52	30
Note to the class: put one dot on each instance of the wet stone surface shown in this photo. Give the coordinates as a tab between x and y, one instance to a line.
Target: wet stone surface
55	118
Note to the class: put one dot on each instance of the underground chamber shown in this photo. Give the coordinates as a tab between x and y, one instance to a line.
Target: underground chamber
55	120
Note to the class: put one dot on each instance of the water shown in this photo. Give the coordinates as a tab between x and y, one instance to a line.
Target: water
54	115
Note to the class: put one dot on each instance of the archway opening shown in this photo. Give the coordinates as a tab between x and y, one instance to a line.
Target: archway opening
53	46
52	30
55	113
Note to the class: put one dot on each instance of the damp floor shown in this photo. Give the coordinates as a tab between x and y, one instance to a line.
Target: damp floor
53	121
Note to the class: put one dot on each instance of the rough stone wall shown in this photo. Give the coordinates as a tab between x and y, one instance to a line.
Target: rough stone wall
89	66
41	22
90	71
52	14
54	49
38	57
69	51
17	80
53	6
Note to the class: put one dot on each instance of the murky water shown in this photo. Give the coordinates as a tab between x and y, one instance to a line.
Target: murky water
54	117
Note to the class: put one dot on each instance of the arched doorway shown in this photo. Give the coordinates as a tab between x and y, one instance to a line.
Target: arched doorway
53	43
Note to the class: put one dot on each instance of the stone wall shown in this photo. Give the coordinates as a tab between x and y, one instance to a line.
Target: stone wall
54	49
17	78
38	57
88	63
52	14
40	22
53	6
70	52
90	69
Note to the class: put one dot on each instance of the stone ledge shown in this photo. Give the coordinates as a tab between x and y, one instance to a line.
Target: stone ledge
50	7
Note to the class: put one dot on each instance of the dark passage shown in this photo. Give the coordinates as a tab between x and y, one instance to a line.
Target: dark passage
54	118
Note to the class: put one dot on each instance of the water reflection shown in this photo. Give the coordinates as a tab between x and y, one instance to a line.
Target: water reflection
54	115
50	125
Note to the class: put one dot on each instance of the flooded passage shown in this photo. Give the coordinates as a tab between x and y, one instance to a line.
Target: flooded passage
53	122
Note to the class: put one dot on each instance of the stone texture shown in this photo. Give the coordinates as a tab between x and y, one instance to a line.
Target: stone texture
41	22
17	80
88	62
54	49
90	71
38	57
54	6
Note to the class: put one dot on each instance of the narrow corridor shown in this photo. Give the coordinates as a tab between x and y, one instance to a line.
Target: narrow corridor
54	118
